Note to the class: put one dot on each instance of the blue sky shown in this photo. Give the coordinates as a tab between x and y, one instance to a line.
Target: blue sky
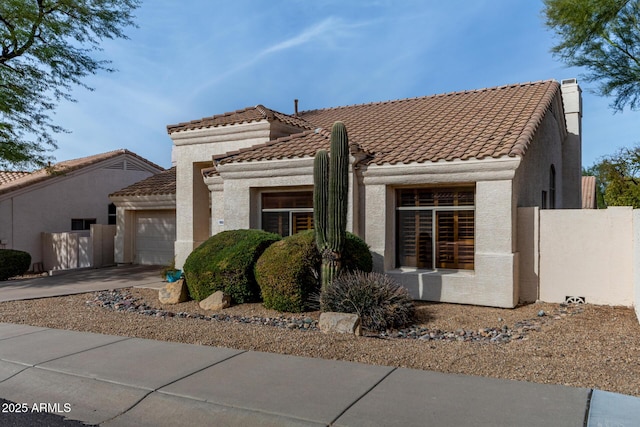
197	58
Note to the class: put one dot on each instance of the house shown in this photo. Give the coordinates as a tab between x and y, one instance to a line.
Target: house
435	182
67	196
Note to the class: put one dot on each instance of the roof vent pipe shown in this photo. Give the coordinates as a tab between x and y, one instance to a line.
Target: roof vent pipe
295	107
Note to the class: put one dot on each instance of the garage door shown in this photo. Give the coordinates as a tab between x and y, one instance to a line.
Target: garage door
155	237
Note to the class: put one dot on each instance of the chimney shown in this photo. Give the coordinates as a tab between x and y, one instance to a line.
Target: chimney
572	146
295	107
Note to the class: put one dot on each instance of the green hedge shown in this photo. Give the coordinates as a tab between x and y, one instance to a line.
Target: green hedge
287	272
226	262
13	263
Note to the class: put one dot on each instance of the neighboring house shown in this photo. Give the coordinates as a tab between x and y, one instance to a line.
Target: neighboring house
67	196
435	182
146	225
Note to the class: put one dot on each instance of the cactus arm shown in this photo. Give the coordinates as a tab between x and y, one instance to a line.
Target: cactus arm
320	197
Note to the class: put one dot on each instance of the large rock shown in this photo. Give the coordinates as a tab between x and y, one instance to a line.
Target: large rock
216	301
343	323
174	292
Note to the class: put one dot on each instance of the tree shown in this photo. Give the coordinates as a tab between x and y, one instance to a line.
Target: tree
618	176
604	37
46	50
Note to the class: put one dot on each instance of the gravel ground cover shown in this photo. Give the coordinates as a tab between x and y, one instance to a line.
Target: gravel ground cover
576	345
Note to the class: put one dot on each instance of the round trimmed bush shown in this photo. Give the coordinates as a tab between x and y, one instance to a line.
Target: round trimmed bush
225	262
13	263
380	302
288	271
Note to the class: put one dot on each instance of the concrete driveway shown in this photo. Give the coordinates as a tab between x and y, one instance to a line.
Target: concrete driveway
81	281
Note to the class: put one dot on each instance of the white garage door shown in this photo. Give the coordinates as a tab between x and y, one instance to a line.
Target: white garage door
155	237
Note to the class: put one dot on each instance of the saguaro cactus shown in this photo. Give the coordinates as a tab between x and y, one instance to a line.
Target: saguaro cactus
331	187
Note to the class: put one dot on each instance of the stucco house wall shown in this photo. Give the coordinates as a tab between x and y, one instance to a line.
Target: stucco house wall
49	205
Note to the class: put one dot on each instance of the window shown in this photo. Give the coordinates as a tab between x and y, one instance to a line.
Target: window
435	227
82	223
287	213
111	214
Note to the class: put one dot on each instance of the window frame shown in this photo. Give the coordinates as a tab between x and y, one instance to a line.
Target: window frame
86	223
112	214
292	211
435	228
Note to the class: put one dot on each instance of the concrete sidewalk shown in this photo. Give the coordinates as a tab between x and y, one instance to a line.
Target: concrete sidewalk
119	381
80	281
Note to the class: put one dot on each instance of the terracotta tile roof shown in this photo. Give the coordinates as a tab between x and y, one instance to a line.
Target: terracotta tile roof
8	176
589	192
67	167
158	184
483	123
247	115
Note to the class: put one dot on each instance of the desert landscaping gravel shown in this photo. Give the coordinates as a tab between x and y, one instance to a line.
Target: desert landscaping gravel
575	345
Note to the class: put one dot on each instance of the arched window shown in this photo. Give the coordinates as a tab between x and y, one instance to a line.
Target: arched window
552	187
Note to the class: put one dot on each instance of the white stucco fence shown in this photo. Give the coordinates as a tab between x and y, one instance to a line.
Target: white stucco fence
593	254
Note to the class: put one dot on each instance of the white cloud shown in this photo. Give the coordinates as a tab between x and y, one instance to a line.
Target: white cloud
328	31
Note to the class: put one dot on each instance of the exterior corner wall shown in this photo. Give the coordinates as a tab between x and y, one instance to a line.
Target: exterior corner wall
380	225
124	236
572	145
528	239
217	212
237	209
192	208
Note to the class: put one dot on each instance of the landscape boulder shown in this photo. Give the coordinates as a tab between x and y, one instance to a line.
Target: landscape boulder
343	323
216	301
174	292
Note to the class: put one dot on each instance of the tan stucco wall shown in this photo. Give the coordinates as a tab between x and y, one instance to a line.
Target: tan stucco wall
533	176
557	142
587	253
529	253
49	206
247	181
193	150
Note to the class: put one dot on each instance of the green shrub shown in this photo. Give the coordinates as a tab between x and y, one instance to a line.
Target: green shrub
287	272
13	263
380	302
225	262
